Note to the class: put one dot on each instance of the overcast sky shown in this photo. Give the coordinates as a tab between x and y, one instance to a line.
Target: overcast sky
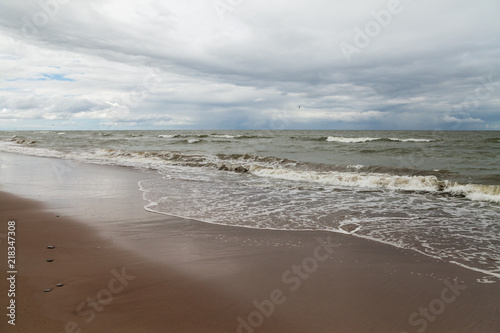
250	64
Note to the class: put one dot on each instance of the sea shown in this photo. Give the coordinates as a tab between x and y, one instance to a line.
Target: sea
436	192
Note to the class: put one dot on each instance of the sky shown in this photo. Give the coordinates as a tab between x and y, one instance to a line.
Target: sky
250	64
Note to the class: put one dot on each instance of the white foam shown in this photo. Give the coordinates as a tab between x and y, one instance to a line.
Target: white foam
224	136
367	139
411	140
349	140
351	179
356	167
476	192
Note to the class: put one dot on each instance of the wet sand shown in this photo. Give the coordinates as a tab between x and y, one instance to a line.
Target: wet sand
127	270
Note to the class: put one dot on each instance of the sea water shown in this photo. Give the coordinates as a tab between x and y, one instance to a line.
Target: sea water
437	192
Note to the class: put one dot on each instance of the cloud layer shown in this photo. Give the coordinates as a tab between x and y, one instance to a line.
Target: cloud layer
103	64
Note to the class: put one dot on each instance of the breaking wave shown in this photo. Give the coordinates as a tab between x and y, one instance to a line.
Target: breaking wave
341	139
430	184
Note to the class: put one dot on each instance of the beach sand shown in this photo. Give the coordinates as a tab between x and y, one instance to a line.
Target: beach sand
124	269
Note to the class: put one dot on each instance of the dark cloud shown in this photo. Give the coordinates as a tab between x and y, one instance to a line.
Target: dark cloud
420	65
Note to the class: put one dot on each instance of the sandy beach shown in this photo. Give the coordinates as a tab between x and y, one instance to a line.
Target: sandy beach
124	269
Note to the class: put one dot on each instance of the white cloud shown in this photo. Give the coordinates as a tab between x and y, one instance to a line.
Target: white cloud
173	63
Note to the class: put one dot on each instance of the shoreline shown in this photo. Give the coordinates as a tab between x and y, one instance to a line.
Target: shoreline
495	276
190	276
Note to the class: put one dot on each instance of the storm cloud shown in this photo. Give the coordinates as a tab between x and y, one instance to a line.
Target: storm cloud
240	64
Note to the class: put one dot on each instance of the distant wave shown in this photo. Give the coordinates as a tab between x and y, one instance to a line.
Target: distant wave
237	136
349	140
212	135
188	140
171	136
411	140
366	139
224	136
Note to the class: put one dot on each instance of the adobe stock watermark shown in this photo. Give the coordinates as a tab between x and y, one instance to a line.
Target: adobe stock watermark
142	90
482	92
89	308
223	6
372	29
292	278
62	169
456	118
279	121
131	99
31	25
420	320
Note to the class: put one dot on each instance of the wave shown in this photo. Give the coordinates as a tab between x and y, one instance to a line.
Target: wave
476	192
212	135
237	136
430	184
349	140
367	139
172	136
411	140
353	179
354	176
338	139
323	138
224	136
